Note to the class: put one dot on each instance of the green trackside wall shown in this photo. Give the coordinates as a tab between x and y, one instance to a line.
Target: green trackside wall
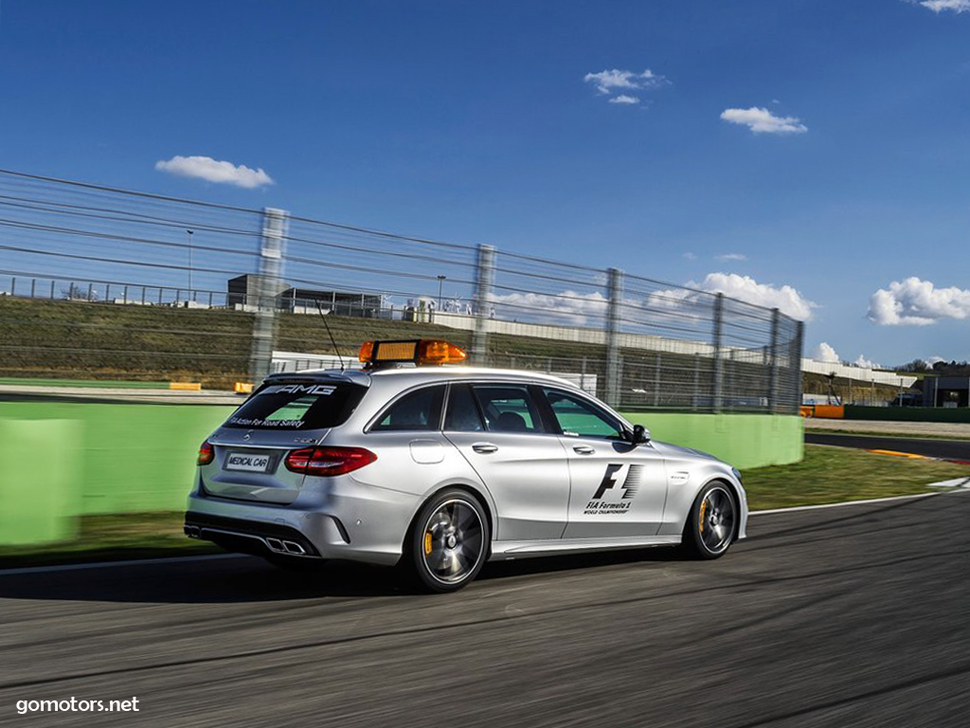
62	460
59	461
745	441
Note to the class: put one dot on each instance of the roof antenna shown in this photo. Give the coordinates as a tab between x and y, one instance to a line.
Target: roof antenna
330	334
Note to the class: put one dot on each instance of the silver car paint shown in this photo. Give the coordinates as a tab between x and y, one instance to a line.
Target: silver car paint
365	515
527	474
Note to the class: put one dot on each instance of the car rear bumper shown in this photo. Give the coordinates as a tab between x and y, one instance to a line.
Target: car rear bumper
250	537
369	527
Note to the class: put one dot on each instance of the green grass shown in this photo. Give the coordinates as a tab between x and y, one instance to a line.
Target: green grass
108	538
826	475
833	474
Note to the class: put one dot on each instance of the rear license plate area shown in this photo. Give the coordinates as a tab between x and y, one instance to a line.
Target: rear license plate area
248	462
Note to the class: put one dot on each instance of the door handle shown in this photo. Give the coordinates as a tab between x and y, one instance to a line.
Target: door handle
584	450
484	447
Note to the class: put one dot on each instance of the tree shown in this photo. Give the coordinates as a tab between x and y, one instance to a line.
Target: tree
74	292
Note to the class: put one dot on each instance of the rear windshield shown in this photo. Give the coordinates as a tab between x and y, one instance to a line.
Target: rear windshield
298	406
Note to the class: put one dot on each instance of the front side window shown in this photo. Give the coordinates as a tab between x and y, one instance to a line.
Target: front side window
508	408
298	406
578	417
418	410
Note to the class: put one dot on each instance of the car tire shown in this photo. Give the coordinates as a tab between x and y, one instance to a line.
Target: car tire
449	541
712	524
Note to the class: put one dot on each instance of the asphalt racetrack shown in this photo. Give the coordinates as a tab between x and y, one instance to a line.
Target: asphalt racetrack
944	449
849	616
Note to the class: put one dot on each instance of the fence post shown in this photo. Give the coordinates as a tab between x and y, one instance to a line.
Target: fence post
796	364
773	374
485	276
718	373
614	293
275	223
697	379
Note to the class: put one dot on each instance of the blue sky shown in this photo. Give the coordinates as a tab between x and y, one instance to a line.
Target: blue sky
473	123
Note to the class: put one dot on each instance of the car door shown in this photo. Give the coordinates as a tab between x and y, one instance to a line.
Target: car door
412	452
499	430
616	489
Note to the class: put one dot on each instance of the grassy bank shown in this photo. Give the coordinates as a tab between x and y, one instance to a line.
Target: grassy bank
832	474
826	475
97	341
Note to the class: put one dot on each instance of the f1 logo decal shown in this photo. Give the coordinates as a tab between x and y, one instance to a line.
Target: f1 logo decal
631	484
608	481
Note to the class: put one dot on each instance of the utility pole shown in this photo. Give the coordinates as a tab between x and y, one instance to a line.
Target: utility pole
189	234
441	279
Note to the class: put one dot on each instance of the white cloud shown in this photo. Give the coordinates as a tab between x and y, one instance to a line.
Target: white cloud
931	360
938	6
864	363
690	256
825	353
694	304
761	121
624	99
915	302
608	82
731	256
567	308
788	300
212	170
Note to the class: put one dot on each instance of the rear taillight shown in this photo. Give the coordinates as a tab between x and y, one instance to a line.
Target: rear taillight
207	453
328	460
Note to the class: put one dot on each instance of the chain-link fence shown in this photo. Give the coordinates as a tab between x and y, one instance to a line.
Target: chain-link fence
101	283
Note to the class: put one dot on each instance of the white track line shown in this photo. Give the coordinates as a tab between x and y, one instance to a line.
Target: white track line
840	504
116	564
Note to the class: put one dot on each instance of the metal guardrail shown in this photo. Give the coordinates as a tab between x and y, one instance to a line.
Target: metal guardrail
255	278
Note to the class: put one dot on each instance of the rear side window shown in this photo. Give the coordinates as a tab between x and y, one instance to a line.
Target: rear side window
298	406
462	414
419	410
508	409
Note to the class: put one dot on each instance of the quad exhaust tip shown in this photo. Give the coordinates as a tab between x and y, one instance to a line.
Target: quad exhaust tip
275	544
285	547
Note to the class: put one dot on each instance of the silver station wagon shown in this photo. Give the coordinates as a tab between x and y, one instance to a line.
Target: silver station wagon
440	468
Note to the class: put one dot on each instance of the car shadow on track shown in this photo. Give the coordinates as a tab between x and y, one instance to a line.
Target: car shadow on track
246	579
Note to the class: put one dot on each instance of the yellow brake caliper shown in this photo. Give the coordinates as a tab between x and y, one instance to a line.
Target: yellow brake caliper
427	543
703	511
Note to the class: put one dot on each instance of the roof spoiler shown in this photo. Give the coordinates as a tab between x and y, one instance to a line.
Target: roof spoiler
353	376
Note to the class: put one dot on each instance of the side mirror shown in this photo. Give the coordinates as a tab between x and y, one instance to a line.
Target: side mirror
640	435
